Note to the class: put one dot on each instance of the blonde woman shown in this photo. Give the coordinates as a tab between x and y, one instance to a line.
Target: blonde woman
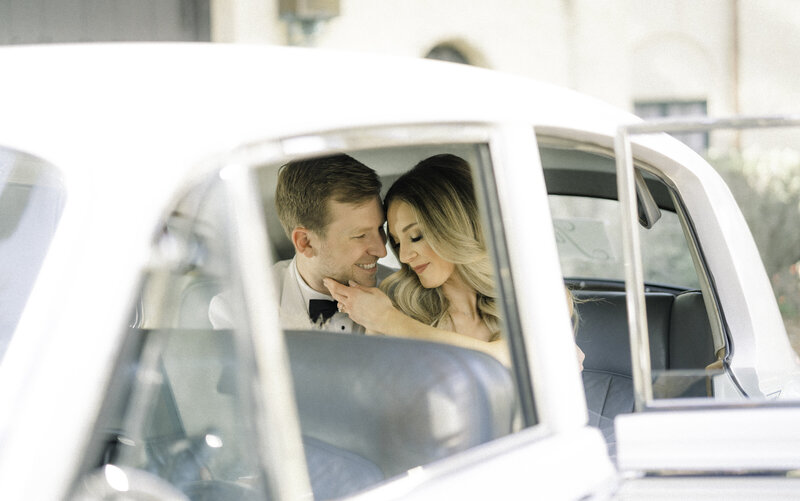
444	290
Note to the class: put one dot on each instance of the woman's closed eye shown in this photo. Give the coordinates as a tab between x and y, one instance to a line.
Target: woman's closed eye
417	238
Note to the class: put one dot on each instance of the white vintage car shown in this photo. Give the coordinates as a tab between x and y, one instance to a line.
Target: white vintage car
136	182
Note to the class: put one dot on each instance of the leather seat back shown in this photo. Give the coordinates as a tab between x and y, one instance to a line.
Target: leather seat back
396	402
680	338
691	344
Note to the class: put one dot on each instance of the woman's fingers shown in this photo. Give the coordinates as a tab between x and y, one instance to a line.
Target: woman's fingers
365	305
359	287
338	291
341	293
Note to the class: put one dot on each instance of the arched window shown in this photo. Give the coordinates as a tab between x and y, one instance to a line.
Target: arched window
447	52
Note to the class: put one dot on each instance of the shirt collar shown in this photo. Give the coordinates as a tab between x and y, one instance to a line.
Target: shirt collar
305	290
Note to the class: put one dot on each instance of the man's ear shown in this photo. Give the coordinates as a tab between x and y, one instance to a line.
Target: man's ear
301	239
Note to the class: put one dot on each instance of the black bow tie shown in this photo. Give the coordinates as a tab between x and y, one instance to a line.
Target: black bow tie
324	308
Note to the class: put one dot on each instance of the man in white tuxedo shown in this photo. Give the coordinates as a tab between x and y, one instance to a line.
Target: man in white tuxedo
331	211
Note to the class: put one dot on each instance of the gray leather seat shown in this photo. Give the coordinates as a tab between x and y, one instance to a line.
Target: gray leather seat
680	338
395	402
335	472
374	407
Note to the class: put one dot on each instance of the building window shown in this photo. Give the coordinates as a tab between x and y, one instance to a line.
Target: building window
698	141
446	52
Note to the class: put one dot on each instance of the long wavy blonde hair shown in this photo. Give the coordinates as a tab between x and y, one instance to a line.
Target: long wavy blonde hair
440	192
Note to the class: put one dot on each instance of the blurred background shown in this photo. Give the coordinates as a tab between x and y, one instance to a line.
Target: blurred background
656	58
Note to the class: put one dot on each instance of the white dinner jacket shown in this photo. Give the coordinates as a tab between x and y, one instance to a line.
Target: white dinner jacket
293	311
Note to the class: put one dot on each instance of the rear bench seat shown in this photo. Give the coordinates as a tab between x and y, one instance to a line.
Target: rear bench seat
680	338
392	403
370	407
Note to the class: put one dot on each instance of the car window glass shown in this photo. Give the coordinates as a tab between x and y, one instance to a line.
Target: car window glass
385	403
32	197
589	240
175	420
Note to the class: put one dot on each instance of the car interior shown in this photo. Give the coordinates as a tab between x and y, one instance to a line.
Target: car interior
681	340
370	408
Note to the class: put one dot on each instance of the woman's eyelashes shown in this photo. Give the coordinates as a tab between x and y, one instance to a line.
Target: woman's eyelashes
413	239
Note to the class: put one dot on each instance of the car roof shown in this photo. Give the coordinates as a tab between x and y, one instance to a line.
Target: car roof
127	124
149	113
263	91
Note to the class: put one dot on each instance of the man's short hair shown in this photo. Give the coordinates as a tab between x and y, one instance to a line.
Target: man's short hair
305	186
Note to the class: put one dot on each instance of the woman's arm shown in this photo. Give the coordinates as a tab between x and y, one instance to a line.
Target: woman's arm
372	308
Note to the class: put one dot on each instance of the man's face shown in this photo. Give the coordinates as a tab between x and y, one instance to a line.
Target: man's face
352	244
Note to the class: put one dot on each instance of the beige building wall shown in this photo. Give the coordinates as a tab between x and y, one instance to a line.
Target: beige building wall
770	45
621	51
682	50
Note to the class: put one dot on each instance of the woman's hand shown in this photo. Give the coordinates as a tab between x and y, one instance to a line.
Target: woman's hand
367	306
372	308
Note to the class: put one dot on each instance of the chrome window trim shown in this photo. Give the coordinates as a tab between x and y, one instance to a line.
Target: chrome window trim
634	273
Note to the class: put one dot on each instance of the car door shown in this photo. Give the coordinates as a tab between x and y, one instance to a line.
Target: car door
709	389
253	412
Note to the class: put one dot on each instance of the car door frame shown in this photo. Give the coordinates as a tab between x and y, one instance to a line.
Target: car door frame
519	220
756	438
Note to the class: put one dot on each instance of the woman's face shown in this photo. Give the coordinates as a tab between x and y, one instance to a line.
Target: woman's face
413	250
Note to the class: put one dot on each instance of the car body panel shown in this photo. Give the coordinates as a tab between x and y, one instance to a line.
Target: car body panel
709	488
131	127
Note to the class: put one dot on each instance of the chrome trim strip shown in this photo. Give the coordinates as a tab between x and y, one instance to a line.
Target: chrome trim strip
634	275
704	124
